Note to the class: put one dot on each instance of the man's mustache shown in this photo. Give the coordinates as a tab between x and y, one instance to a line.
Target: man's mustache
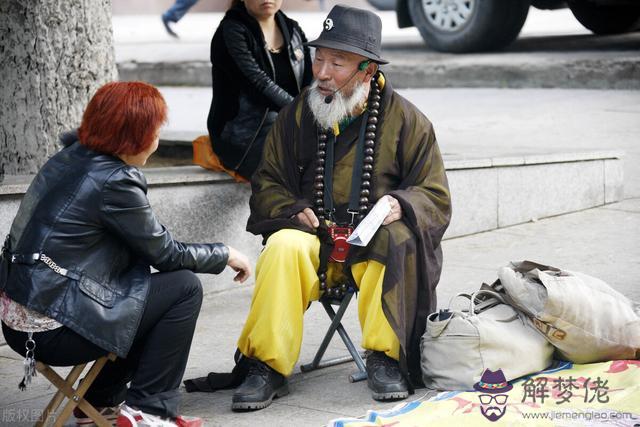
491	410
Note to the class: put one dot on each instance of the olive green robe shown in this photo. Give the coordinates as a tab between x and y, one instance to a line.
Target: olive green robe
407	166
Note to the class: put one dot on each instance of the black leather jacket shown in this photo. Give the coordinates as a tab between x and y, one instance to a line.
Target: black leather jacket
246	98
89	213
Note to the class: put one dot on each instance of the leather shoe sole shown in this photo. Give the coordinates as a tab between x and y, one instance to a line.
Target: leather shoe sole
255	405
391	395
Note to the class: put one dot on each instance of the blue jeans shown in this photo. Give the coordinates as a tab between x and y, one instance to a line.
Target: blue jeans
178	10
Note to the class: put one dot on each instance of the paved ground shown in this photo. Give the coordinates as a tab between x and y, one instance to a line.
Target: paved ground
553	50
602	242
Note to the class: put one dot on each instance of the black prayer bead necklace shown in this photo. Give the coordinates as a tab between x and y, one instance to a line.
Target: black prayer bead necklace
373	110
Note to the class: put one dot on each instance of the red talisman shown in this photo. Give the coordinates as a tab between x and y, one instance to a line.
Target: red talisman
339	235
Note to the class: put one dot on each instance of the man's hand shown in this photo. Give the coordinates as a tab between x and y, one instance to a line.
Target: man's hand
395	213
240	263
308	218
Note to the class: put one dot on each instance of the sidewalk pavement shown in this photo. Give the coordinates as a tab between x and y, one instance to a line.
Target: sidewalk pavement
553	50
602	242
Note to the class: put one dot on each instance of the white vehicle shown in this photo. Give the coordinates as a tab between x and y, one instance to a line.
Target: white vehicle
480	25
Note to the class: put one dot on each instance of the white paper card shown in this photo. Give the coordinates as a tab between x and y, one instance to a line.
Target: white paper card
363	233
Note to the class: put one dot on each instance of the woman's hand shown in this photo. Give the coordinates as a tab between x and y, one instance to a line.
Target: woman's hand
240	263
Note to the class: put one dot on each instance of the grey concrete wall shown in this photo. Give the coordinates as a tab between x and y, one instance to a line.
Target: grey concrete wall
200	206
208	212
499	192
197	205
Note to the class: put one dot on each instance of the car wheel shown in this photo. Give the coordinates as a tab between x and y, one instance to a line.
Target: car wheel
468	25
605	18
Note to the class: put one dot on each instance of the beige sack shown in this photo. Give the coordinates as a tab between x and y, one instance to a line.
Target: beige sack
583	317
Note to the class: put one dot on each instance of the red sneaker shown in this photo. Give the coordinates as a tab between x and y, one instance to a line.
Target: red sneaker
110	413
130	417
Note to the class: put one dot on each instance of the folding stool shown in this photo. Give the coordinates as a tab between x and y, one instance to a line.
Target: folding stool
336	325
75	396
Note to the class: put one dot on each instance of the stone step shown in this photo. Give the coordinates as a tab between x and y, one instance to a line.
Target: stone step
198	205
416	68
488	193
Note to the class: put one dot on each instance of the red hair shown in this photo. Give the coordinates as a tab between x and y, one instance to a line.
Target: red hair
123	118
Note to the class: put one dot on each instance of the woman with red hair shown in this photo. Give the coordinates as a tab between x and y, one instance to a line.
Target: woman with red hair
75	279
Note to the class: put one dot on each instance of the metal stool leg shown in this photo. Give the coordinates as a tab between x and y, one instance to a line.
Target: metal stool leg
336	325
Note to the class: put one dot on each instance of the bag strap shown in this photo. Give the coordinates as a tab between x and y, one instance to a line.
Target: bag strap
356	176
472	305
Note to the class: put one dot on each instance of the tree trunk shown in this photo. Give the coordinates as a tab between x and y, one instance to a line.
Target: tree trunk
53	56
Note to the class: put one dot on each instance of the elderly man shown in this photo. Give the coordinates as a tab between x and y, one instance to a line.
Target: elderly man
343	144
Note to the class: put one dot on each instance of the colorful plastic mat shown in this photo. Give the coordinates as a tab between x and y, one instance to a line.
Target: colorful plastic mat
601	394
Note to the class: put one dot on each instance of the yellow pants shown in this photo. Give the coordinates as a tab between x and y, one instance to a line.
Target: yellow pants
286	282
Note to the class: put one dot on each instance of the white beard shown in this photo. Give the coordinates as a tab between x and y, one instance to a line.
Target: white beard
337	110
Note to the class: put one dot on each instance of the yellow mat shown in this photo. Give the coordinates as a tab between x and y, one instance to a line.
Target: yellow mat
603	394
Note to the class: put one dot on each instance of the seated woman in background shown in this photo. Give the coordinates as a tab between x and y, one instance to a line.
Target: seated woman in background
75	268
259	64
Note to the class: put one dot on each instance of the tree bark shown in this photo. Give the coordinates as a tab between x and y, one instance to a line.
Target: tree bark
53	56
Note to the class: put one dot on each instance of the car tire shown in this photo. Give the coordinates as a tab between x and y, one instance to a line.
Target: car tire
606	19
483	24
383	4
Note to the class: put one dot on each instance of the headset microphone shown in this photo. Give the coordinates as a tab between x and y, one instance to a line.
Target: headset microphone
361	67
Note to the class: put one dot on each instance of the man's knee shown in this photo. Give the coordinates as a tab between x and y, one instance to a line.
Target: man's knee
290	241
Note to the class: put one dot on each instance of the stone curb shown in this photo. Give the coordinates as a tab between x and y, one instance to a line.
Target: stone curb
420	71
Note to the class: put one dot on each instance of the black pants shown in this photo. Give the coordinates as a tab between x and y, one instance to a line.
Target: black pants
157	360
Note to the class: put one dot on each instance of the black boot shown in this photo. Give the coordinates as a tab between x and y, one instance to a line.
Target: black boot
259	387
384	378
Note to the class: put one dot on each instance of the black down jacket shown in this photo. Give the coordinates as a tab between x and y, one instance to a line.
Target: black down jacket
88	213
246	99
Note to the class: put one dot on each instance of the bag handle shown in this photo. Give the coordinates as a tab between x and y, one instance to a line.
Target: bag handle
460	294
472	297
500	298
472	305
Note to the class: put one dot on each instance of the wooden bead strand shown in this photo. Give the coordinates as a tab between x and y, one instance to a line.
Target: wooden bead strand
373	106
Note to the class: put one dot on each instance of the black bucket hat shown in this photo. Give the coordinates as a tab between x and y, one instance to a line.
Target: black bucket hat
352	30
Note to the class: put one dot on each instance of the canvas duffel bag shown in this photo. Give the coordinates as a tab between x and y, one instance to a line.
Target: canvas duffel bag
458	346
583	317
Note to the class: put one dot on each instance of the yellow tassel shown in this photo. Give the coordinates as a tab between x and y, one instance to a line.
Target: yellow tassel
336	129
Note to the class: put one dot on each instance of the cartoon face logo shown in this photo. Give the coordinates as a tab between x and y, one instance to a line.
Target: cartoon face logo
494	406
328	24
493	387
